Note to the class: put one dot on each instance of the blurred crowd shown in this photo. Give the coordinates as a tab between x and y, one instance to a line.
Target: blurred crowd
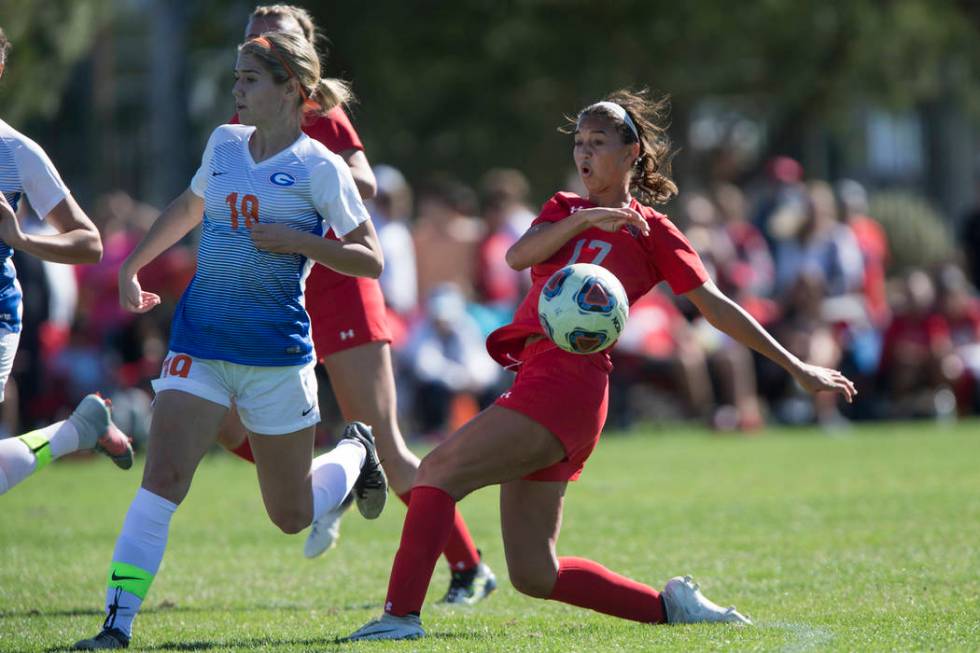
804	257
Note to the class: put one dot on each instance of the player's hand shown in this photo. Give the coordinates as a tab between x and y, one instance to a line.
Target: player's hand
815	379
10	231
278	238
132	297
613	219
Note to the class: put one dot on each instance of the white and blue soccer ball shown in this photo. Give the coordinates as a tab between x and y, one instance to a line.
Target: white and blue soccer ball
583	308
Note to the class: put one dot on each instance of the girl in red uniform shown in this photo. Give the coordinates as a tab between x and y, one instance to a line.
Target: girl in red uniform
538	435
351	338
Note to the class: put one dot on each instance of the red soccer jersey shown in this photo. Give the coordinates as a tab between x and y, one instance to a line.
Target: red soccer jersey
640	262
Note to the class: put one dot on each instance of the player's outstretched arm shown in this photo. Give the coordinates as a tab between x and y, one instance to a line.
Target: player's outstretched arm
543	240
183	214
77	241
360	169
727	316
358	254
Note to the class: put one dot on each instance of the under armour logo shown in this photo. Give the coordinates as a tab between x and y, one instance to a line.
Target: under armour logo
347	335
506	395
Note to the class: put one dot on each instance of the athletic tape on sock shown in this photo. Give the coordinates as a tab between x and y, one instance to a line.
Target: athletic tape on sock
39	446
130	578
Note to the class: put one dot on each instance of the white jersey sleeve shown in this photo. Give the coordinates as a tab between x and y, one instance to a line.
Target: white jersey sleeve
41	182
336	197
199	183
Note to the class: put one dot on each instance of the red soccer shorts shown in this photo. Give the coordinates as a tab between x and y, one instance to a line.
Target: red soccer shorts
345	312
568	394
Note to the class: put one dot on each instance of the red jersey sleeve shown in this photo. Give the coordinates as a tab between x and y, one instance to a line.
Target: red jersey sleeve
555	209
674	258
333	129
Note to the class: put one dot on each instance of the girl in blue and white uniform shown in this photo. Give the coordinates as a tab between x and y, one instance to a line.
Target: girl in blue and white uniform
265	195
26	171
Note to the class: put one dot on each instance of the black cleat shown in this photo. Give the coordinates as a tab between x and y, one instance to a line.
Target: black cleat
109	638
471	586
371	487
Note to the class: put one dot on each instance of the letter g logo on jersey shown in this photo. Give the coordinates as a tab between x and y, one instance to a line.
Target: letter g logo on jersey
282	179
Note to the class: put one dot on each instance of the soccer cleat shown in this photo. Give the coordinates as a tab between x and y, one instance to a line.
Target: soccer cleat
389	627
117	446
470	586
686	604
325	531
109	638
371	487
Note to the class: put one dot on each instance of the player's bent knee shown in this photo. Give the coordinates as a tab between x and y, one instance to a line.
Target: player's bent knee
532	583
167	481
432	470
290	522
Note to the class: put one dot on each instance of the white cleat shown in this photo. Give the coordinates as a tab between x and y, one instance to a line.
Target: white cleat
389	627
687	605
325	531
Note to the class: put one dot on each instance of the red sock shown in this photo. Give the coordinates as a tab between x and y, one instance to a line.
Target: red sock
244	451
427	527
588	584
461	553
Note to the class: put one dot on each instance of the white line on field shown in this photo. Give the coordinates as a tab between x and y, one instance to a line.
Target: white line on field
805	637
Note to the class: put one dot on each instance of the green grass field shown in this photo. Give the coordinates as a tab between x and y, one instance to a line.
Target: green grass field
865	542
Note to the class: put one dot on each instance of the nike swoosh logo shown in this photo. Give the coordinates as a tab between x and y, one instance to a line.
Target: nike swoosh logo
215	174
307	411
115	577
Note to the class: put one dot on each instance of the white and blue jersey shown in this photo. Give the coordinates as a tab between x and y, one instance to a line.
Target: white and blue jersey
245	305
24	170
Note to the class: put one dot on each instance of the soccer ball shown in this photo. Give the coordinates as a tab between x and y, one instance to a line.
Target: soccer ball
583	308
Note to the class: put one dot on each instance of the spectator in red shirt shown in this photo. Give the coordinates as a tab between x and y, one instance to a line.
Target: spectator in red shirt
916	343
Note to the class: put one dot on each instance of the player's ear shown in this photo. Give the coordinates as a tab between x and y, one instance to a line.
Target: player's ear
634	153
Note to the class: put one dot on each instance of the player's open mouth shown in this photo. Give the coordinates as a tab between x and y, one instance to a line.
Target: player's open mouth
585	171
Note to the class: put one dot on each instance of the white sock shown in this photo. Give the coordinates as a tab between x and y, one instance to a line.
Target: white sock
139	550
17	462
334	474
63	440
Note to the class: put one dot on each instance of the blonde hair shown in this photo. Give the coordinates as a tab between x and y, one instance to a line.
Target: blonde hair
650	180
290	56
299	14
4	47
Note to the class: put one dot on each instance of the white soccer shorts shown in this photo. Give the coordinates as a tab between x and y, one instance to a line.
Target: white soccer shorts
270	400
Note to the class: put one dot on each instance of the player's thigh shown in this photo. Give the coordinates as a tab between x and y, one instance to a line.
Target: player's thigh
8	351
363	382
496	446
231	432
183	427
283	463
530	520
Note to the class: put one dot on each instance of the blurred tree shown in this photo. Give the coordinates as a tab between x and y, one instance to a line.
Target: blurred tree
463	86
49	38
